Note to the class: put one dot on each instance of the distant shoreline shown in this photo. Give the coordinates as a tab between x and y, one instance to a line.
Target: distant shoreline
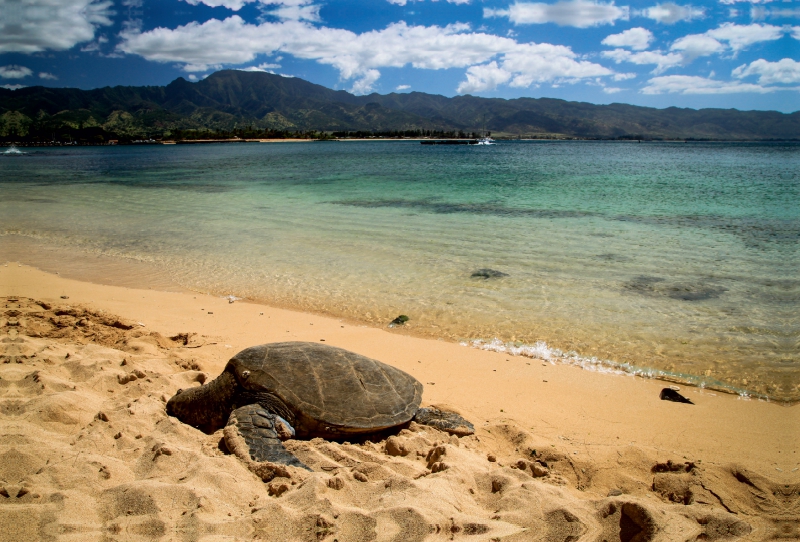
382	139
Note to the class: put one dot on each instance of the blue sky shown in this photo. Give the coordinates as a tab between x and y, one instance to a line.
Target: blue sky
743	54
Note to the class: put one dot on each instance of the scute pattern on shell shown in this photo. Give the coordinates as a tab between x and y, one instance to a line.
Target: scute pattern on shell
329	390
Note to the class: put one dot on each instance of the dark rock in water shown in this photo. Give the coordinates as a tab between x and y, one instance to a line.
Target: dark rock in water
694	292
668	394
659	287
487	273
613	258
399	321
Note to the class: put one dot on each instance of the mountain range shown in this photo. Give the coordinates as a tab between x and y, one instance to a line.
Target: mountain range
258	101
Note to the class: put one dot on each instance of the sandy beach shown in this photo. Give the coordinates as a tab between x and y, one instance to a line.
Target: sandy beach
559	453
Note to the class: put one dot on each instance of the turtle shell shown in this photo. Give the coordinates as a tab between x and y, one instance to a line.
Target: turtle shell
327	391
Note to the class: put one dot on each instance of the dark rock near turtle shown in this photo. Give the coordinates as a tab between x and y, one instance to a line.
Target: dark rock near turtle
270	393
487	273
668	394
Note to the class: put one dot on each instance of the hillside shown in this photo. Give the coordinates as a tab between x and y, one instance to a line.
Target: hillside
256	101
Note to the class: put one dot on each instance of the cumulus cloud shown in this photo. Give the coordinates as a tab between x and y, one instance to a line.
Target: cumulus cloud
483	78
696	45
365	83
235	5
265	67
730	2
740	37
662	61
404	2
670	13
737	38
402	87
690	84
45	75
360	56
14	72
612	90
784	71
12	87
33	26
577	13
635	38
293	10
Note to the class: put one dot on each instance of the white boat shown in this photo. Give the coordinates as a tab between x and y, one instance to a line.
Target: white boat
486	140
13	151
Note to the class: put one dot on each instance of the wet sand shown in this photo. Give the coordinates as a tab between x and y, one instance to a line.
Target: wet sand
88	453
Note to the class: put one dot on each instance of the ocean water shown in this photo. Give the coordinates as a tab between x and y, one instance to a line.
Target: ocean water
678	260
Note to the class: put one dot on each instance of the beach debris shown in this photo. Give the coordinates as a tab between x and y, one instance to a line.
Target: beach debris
141	324
254	432
64	297
399	321
231	298
486	273
668	394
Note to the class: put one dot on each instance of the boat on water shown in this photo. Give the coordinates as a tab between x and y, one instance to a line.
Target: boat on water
486	140
13	151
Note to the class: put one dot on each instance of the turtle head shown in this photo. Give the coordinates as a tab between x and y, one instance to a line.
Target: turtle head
206	407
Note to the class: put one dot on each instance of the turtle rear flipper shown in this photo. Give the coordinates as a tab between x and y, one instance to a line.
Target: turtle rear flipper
253	434
444	420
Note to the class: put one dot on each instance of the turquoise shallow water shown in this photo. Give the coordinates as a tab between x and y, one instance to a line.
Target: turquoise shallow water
675	257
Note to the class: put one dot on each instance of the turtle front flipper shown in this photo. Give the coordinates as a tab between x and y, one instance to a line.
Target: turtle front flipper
444	420
254	435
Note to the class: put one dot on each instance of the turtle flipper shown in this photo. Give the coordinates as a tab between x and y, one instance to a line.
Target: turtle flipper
253	434
444	420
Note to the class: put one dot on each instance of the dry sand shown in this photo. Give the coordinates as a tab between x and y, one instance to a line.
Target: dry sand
87	451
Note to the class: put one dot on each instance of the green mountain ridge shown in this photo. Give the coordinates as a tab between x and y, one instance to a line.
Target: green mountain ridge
257	101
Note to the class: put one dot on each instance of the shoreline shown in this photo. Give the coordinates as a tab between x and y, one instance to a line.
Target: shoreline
558	452
625	398
83	266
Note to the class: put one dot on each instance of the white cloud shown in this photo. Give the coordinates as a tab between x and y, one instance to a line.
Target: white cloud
364	85
235	5
32	26
796	32
612	90
636	38
786	71
359	56
740	37
15	72
404	2
402	87
299	10
12	87
577	13
484	77
671	13
545	63
291	10
730	2
624	76
696	45
45	75
661	60
689	84
265	67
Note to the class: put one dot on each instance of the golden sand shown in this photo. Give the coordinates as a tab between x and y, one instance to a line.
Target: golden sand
87	451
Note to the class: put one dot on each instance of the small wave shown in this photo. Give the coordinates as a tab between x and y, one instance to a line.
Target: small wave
540	350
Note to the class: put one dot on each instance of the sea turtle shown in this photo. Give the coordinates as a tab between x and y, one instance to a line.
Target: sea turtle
273	392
